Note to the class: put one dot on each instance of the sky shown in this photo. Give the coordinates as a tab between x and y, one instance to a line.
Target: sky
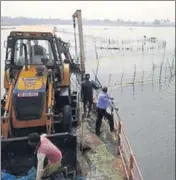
113	10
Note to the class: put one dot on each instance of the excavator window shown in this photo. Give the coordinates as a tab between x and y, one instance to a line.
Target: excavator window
58	54
9	49
36	51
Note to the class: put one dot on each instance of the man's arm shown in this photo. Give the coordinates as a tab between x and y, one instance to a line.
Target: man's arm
92	90
109	102
40	157
82	91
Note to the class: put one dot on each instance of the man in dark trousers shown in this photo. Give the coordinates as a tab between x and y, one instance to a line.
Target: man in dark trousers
87	94
104	101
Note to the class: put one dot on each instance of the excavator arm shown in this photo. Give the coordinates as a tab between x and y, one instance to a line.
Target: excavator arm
64	48
77	15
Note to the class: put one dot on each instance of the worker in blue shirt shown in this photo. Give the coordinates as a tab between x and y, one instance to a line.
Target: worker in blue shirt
104	101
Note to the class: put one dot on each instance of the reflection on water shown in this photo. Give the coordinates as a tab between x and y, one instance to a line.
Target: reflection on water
149	120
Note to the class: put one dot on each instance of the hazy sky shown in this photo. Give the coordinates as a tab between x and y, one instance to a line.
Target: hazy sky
134	10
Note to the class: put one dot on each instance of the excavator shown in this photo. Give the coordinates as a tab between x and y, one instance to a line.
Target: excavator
40	95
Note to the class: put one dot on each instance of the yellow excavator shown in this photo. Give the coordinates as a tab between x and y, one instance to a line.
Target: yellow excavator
40	95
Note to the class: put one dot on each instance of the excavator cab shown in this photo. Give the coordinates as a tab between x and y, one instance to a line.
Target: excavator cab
38	94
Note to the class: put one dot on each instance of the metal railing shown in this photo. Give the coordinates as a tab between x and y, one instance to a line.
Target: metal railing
124	149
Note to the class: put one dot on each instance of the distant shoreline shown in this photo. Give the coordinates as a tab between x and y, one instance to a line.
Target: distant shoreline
3	26
16	21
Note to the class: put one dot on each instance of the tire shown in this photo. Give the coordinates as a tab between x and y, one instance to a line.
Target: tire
67	119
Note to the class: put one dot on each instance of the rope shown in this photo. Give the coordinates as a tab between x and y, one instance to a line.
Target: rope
82	134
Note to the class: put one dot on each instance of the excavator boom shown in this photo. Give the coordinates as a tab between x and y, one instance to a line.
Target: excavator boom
77	15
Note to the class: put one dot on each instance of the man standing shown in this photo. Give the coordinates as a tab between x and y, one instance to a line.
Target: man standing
45	150
102	104
87	94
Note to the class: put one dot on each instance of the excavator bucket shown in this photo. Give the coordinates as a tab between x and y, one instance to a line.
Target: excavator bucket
17	155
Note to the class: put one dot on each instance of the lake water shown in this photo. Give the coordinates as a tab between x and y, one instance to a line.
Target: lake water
148	111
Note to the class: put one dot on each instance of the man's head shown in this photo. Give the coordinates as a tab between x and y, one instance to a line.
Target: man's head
87	77
105	89
33	139
36	42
